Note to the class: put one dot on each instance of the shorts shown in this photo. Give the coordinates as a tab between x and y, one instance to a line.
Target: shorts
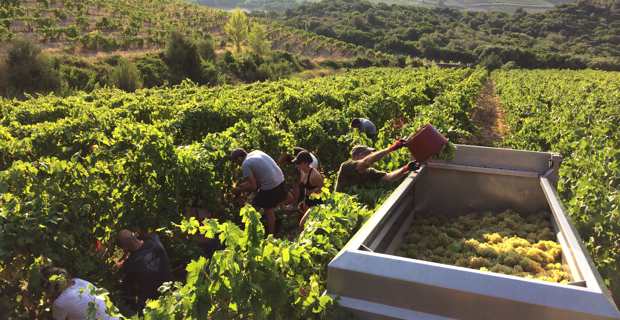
268	199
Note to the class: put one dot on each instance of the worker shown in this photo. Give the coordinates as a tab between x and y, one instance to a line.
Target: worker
287	158
358	170
261	174
145	266
365	126
310	182
73	297
291	175
315	160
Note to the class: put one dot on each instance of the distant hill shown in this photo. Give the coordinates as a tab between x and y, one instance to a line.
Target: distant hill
586	34
473	5
84	42
96	27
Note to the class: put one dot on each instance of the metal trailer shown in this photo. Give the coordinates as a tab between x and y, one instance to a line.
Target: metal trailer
367	279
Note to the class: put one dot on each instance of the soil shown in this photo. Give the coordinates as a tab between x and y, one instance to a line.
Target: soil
488	117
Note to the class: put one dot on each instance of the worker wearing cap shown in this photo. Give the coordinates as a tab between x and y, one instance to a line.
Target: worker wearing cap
261	174
364	125
358	170
310	182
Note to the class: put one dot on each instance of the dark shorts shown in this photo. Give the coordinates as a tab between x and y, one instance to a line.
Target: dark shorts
268	199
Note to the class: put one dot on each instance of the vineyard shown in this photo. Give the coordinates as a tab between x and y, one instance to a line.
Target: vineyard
576	114
76	170
106	25
93	26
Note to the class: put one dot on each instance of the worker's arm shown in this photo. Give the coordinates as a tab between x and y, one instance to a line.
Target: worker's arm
248	184
400	173
370	159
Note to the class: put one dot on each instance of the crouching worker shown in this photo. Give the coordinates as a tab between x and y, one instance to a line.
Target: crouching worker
73	297
358	170
144	268
262	175
365	126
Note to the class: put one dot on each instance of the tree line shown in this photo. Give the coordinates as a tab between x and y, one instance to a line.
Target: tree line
581	35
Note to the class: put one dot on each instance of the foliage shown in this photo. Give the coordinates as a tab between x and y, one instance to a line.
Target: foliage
27	70
78	30
262	278
183	58
76	170
126	76
569	36
206	48
257	40
237	28
575	114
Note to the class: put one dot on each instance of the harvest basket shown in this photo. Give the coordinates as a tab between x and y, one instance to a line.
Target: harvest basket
426	143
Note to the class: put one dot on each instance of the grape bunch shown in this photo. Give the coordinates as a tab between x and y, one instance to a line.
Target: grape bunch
506	242
447	152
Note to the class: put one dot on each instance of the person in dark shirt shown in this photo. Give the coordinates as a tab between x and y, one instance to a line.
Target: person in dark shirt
358	171
145	268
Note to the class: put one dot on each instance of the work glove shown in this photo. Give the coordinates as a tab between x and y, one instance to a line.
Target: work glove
399	143
413	166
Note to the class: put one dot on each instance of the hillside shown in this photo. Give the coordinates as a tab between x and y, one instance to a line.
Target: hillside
473	5
84	42
94	26
570	36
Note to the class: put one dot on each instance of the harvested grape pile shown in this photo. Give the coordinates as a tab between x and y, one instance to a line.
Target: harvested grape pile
506	242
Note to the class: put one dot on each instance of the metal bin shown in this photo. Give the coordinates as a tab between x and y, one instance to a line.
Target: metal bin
374	284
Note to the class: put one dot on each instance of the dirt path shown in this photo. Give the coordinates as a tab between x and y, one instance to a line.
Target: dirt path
488	117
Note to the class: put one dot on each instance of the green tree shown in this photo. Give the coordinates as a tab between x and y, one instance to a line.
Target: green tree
183	58
206	48
126	76
237	28
257	39
28	70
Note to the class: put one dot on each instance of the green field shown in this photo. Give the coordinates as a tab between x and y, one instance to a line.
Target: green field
78	169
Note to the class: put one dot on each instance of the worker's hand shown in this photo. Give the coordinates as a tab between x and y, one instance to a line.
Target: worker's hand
413	166
397	145
119	264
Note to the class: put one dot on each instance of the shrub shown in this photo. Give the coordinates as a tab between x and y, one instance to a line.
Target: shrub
210	74
28	70
182	57
154	71
206	48
126	76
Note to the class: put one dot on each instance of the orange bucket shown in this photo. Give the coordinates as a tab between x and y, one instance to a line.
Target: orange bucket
426	143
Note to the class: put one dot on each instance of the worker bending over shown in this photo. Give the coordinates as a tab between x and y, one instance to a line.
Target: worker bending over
144	267
261	174
365	126
73	297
